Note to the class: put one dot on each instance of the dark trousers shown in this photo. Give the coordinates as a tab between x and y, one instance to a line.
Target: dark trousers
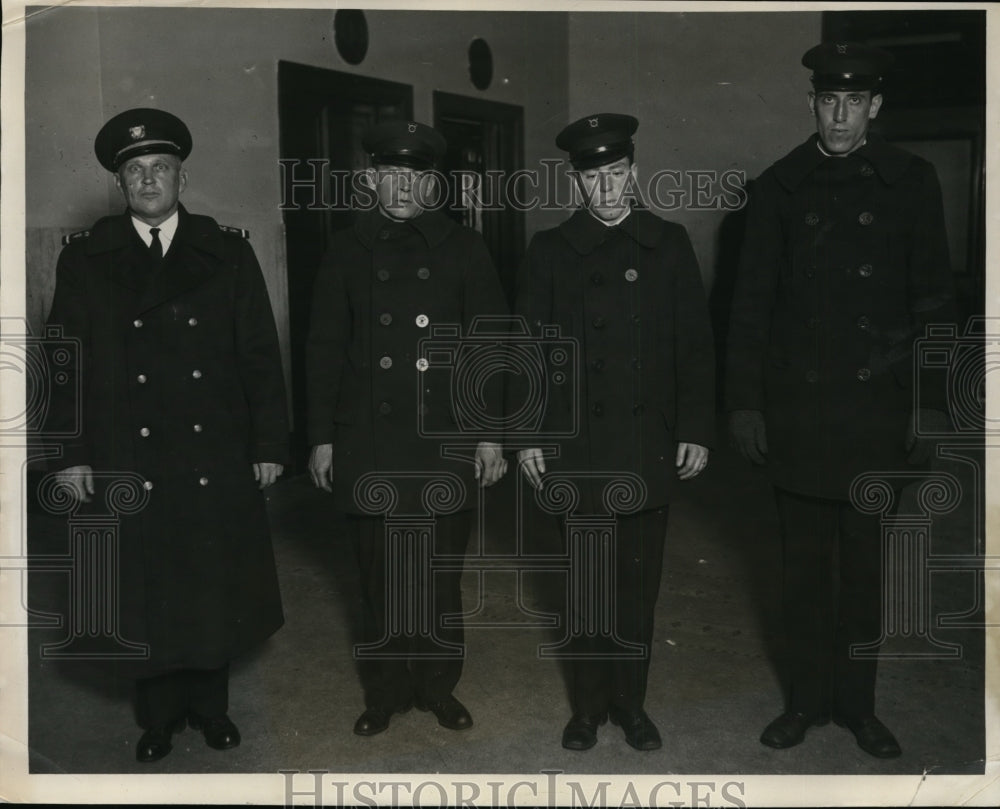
166	698
831	600
615	681
403	603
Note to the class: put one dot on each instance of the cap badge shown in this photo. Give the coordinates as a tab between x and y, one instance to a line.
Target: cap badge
137	132
841	49
592	122
412	127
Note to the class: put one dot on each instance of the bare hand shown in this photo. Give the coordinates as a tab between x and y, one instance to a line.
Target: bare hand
748	435
321	466
490	463
691	460
79	480
532	466
267	473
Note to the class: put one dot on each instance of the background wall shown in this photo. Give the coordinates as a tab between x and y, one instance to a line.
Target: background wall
712	92
217	70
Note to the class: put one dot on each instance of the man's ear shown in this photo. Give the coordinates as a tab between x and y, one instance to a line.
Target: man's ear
875	107
369	177
812	102
183	181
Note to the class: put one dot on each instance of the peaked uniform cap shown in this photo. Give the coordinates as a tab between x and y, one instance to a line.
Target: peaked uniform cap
598	139
141	131
847	66
404	143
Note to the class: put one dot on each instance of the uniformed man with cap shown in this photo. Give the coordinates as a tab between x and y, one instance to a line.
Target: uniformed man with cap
845	261
376	402
624	286
182	389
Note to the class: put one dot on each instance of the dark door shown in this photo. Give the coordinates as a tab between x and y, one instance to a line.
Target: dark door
485	141
322	116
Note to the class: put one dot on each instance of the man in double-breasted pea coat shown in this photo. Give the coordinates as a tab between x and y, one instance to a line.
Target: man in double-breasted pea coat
622	285
378	406
181	386
845	262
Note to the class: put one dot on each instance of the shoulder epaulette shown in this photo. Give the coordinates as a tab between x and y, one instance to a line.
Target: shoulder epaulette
238	231
72	237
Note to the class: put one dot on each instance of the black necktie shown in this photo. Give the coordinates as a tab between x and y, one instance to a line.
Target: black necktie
155	248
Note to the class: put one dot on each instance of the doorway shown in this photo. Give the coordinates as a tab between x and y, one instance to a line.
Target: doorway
322	117
485	141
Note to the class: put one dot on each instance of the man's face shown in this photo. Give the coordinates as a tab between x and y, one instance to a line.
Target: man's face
151	185
843	117
403	192
604	188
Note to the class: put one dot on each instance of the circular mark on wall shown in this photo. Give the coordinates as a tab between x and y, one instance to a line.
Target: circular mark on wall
480	63
350	33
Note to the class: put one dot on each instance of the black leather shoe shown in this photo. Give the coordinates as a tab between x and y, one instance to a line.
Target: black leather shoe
640	732
450	712
873	737
376	719
790	728
155	743
219	731
580	732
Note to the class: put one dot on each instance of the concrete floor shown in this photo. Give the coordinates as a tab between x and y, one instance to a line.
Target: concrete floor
713	683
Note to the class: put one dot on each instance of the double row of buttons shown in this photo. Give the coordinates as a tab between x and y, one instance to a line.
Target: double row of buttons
597	408
862	375
421	320
148	484
422	273
598	364
864	218
864	270
386	363
137	323
864	322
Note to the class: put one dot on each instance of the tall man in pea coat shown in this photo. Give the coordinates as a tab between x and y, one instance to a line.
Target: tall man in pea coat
403	270
845	262
625	286
181	385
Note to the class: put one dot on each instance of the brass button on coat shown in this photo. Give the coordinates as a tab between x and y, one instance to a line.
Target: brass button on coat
385	318
864	374
812	218
423	273
866	218
385	362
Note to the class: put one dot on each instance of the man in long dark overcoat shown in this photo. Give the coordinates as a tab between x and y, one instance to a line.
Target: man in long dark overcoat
381	405
845	261
181	386
622	285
